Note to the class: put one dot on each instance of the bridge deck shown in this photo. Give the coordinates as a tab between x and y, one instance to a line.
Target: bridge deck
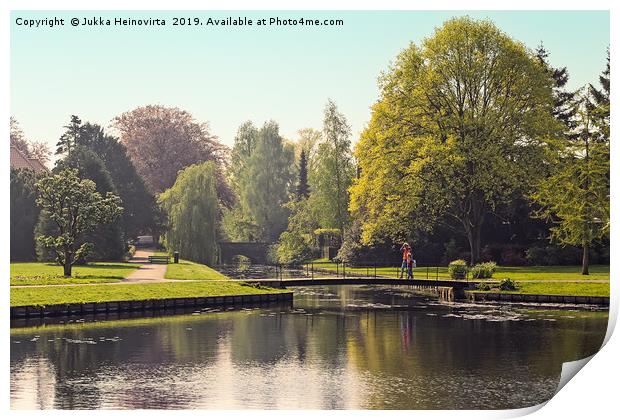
333	281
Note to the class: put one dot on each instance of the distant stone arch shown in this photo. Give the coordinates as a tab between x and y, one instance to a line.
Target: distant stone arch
256	251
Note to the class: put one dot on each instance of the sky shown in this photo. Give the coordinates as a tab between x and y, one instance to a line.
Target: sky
227	75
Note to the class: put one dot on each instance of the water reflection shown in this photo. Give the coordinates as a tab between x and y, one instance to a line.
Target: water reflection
337	347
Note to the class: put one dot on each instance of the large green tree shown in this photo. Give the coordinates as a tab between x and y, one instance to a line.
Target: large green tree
457	130
191	207
75	207
267	183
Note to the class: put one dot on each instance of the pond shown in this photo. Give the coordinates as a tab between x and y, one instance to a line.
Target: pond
334	347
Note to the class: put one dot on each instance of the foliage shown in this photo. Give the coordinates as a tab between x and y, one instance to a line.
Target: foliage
32	149
295	245
332	171
140	215
483	270
69	140
131	251
24	214
238	226
575	195
75	207
107	239
267	179
449	142
292	248
353	251
303	190
508	284
552	255
161	141
457	269
244	145
483	286
191	207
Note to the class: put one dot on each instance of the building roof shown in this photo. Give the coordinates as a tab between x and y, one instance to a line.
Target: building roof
20	161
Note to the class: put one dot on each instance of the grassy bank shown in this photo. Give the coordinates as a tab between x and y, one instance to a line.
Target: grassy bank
187	270
542	273
568	289
116	292
38	273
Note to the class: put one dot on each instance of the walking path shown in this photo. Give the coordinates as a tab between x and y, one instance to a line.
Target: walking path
146	273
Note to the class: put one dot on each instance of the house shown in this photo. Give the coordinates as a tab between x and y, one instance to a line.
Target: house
21	161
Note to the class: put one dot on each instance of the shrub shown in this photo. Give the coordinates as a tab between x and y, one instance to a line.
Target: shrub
483	270
536	255
291	249
508	284
483	286
457	269
131	251
512	255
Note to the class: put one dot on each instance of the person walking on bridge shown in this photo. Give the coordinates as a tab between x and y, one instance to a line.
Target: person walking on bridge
406	250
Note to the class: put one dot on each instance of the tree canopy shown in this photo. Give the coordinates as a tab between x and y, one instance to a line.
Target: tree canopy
162	140
457	129
75	207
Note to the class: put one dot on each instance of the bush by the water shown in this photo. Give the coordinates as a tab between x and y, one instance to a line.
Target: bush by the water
457	269
483	270
291	249
483	286
508	284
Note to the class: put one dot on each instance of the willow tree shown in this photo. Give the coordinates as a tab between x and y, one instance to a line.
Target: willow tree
191	206
456	132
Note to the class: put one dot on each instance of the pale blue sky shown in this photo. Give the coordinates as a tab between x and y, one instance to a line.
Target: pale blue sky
226	75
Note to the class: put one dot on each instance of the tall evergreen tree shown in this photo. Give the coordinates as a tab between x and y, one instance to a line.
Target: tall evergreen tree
139	214
565	105
575	197
70	138
598	103
303	190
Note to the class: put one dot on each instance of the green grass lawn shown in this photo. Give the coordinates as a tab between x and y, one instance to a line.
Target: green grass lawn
187	270
52	295
37	273
597	272
570	289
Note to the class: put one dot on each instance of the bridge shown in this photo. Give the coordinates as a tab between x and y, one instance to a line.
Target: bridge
341	281
255	251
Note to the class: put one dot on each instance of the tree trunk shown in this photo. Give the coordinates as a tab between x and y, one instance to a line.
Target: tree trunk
585	262
474	239
67	265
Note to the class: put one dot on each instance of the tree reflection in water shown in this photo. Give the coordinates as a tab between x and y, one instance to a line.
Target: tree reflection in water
336	347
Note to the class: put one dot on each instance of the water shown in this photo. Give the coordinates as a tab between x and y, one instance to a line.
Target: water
334	347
